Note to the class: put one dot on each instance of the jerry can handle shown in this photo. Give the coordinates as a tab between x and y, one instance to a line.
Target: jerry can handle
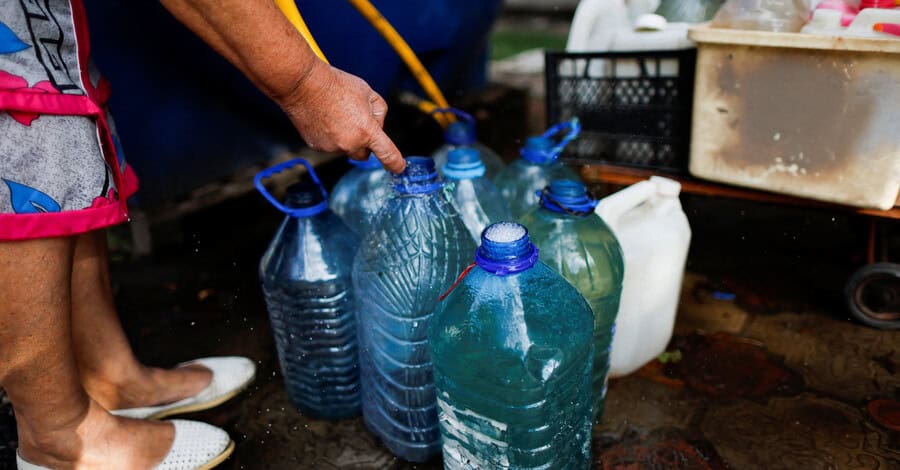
301	212
573	127
614	206
456	112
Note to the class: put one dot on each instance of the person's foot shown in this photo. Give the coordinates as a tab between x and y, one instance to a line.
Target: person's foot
99	441
147	386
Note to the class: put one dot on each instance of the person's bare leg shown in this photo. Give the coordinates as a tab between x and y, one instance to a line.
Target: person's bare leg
59	425
110	372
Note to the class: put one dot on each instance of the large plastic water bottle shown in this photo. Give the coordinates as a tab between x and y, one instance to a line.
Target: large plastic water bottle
415	250
359	194
474	196
512	351
461	134
577	243
539	164
305	276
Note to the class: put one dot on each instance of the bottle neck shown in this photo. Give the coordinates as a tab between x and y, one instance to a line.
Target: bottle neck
420	177
305	200
372	163
539	151
464	164
506	249
567	197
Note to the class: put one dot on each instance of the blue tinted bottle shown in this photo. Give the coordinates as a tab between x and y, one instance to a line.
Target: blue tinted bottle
538	165
461	134
512	351
413	253
359	194
306	279
474	196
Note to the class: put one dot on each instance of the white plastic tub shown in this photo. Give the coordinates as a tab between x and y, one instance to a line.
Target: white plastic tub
811	116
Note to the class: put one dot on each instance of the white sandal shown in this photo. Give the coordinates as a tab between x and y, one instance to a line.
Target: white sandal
230	376
197	446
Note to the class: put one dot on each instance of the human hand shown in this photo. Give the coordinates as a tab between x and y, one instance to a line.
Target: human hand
337	112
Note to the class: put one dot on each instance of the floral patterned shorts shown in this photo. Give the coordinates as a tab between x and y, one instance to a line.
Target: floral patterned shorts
62	169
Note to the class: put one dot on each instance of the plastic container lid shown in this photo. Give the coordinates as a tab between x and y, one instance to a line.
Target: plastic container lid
539	150
567	197
506	249
863	4
306	195
419	177
371	164
464	163
460	133
650	22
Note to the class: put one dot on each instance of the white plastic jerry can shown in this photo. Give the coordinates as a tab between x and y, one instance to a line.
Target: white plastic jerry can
654	233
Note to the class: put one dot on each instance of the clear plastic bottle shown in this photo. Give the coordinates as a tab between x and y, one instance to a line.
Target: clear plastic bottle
305	275
476	199
539	164
512	351
359	194
415	250
577	243
461	134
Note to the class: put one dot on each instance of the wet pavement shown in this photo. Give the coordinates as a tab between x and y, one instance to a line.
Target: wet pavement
773	377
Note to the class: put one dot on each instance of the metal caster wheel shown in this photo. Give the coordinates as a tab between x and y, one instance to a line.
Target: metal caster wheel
873	295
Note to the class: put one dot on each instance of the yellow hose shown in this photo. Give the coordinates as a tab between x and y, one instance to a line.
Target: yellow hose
426	107
289	8
374	17
381	24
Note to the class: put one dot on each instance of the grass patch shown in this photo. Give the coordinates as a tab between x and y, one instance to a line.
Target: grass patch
505	44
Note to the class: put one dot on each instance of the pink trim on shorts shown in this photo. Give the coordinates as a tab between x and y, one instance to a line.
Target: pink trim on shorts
14	227
47	103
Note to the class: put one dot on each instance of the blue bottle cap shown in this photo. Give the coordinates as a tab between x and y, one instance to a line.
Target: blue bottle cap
506	249
307	197
464	164
460	133
419	177
567	197
371	164
539	150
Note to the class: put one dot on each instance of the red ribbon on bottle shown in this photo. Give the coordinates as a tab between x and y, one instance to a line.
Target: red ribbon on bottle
459	279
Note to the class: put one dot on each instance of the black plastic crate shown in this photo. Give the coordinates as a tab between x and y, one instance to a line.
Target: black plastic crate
634	107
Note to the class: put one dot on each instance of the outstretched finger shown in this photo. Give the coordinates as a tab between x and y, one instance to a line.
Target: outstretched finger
388	153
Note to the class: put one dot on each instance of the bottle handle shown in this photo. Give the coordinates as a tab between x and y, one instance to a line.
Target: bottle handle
614	206
300	212
456	112
573	127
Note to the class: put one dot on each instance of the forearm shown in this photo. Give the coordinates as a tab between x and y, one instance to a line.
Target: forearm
255	37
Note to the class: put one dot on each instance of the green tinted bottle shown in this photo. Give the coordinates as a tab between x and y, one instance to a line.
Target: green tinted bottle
576	242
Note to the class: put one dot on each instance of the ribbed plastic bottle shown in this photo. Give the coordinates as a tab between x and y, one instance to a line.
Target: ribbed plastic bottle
461	134
539	164
475	197
576	243
512	351
415	250
306	279
359	194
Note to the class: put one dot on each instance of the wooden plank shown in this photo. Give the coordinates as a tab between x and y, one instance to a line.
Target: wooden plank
624	176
